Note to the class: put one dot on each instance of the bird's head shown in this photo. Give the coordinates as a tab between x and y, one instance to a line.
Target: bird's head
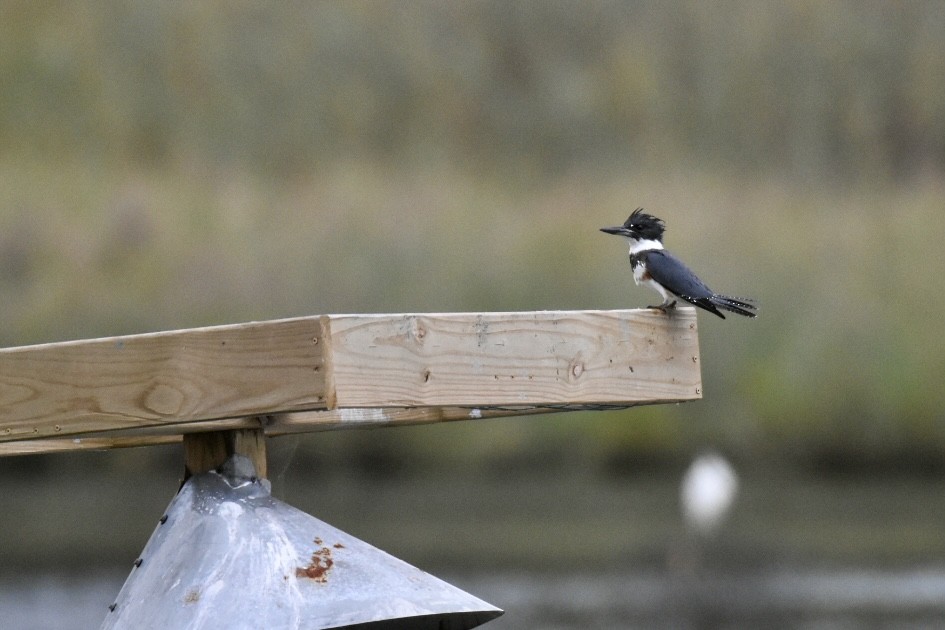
639	226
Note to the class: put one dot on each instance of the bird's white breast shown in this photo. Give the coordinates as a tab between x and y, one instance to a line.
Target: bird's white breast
639	272
640	275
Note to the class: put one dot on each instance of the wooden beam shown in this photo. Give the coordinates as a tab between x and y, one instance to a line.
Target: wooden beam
332	420
280	424
273	426
528	358
373	370
68	445
60	389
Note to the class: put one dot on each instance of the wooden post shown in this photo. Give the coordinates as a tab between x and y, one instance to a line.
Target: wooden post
204	452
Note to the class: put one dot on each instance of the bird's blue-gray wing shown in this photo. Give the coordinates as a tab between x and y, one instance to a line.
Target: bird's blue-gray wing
675	276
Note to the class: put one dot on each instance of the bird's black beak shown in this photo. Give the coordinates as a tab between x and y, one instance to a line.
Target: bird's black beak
619	231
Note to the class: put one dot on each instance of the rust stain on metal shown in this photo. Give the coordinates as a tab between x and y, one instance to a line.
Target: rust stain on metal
320	565
338	546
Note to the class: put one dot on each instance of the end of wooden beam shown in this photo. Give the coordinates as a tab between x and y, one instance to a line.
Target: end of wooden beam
327	367
531	358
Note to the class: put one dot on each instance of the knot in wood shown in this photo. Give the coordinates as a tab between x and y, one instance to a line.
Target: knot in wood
576	369
163	400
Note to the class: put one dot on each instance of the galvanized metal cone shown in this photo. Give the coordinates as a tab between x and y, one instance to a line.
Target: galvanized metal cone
229	555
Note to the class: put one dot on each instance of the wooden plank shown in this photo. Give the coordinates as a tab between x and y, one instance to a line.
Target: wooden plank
334	419
144	380
68	445
377	370
274	425
528	358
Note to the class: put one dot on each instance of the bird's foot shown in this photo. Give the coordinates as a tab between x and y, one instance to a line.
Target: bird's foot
666	307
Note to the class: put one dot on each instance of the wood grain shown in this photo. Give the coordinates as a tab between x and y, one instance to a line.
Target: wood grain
273	426
528	358
68	445
144	380
373	370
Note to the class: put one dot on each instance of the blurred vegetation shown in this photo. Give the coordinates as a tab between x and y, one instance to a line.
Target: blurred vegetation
167	165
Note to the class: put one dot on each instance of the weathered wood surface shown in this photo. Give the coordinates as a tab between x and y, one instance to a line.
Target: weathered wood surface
67	445
273	426
338	371
145	380
529	358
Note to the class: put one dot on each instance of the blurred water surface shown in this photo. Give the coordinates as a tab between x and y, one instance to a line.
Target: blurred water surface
567	549
782	598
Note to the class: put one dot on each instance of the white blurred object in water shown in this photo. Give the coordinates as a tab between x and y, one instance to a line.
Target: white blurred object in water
707	492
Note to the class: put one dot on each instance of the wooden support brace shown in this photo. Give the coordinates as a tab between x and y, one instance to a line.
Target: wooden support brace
204	452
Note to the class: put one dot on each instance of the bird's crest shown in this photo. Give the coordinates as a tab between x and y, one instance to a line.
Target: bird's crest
645	225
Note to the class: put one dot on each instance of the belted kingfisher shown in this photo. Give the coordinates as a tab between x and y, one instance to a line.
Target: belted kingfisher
656	268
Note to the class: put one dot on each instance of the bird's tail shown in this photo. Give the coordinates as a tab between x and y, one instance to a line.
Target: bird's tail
742	306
